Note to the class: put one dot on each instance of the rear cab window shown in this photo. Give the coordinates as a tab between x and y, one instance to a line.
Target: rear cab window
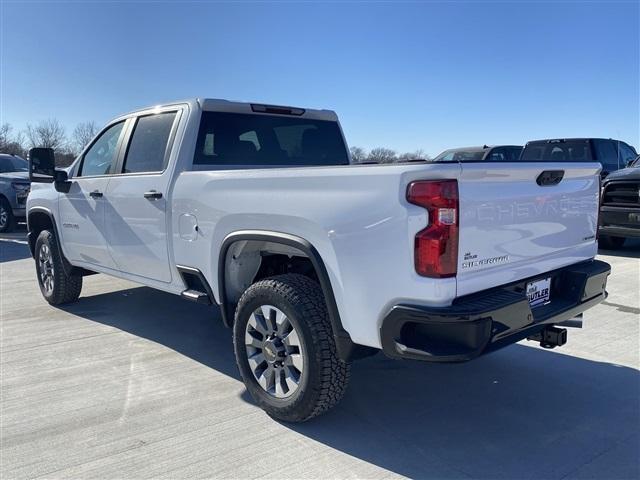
460	156
227	140
557	151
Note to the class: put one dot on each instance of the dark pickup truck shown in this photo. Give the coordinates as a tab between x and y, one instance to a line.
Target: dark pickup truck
620	208
611	154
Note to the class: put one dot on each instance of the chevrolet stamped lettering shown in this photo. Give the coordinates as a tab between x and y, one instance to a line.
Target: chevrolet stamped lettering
485	261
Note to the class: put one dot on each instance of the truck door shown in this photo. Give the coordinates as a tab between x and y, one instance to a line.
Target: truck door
82	209
136	207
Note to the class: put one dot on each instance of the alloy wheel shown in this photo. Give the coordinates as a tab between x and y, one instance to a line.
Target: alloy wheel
274	351
45	263
4	216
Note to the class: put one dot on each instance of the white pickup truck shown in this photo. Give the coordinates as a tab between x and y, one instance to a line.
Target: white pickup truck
314	261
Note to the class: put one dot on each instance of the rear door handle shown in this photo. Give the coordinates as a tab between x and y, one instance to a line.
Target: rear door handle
152	195
96	194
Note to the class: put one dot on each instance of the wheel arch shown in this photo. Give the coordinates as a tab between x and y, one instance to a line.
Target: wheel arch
347	350
39	219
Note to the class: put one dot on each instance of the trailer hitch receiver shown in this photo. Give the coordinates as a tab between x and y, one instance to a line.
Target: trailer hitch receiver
550	337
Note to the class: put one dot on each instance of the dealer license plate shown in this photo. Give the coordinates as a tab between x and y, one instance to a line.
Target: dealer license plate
539	292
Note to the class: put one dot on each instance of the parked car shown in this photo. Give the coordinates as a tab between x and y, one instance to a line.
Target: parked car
14	188
611	154
486	153
315	262
620	208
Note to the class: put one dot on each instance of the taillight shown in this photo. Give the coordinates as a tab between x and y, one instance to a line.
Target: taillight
436	247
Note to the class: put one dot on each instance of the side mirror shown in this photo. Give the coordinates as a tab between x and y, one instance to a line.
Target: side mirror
630	162
42	165
61	183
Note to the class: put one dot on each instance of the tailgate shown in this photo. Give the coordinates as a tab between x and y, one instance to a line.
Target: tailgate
514	226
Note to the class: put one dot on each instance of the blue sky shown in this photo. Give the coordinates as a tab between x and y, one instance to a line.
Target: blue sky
409	75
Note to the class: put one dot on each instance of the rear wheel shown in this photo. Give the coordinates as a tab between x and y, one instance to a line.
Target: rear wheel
610	243
7	220
285	349
57	287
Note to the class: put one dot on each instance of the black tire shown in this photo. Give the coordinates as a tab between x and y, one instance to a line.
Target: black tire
610	243
64	288
325	377
7	220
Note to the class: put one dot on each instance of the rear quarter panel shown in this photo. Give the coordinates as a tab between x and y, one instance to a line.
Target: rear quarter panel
356	217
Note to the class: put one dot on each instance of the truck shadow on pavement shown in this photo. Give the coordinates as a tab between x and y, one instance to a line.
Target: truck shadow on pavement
13	246
520	412
191	329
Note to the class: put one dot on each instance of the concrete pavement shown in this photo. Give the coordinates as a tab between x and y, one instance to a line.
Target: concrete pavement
134	383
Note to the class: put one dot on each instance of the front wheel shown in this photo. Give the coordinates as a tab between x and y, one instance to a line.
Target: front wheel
57	287
285	349
7	220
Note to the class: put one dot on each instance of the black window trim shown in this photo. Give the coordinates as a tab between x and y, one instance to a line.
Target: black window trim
129	136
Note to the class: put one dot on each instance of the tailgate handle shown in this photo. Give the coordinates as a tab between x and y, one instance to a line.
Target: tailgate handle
550	177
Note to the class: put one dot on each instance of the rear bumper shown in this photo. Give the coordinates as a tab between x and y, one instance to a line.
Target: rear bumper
620	221
489	320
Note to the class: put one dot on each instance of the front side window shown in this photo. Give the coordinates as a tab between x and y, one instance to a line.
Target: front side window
626	153
102	154
607	154
147	150
257	140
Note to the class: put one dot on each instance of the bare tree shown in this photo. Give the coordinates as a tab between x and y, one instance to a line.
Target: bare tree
47	133
382	155
358	155
83	134
11	144
5	134
419	154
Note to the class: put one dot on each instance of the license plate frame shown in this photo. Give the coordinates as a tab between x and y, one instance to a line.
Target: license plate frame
539	292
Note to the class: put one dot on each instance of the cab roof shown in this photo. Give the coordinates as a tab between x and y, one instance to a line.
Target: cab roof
221	105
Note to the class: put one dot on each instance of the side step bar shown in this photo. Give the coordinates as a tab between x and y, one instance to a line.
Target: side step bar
198	289
196	296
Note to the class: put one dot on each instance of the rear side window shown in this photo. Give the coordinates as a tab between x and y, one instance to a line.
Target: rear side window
564	151
237	139
147	150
